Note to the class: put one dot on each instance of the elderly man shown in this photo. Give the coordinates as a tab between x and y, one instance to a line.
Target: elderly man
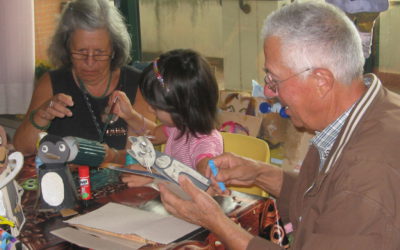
346	194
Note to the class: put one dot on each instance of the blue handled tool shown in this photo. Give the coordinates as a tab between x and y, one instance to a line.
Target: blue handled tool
214	170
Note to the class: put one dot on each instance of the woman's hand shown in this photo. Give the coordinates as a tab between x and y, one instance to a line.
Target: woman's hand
56	106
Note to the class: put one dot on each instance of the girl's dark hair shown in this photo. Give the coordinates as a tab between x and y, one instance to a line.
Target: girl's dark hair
186	88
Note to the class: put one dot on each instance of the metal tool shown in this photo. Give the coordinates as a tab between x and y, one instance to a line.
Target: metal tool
143	151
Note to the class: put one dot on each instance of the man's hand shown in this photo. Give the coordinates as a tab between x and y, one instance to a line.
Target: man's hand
204	211
242	171
201	210
236	170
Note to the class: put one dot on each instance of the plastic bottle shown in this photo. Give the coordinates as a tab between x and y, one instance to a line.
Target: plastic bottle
265	108
84	181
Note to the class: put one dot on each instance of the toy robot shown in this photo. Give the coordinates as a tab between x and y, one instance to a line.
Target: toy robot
11	213
56	184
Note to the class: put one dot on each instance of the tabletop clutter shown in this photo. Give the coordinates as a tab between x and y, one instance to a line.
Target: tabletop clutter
12	217
73	212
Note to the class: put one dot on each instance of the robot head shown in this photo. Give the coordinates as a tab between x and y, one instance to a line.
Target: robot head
53	149
142	150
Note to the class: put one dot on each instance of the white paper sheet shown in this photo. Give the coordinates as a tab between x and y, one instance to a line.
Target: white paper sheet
94	241
122	219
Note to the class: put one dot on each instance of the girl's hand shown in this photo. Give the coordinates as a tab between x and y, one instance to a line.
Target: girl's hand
123	107
133	180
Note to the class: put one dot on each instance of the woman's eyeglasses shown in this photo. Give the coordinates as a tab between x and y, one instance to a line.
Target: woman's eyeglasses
98	57
273	84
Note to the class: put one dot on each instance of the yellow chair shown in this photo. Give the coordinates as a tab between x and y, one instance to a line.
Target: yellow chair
247	146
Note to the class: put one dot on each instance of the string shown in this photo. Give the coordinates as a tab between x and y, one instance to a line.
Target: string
94	119
109	117
85	92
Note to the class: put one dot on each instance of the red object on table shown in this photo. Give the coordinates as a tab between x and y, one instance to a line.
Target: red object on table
84	182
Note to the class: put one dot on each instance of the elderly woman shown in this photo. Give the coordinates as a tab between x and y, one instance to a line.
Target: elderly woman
90	49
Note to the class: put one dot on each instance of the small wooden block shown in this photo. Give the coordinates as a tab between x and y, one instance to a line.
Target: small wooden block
66	212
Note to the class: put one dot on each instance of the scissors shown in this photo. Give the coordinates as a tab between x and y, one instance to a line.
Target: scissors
110	118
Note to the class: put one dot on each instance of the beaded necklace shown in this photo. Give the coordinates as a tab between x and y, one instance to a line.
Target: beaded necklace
94	119
86	94
82	86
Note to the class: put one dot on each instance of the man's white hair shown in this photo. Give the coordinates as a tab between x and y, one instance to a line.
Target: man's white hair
317	35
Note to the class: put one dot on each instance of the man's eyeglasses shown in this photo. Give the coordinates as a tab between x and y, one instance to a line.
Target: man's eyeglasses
273	84
98	57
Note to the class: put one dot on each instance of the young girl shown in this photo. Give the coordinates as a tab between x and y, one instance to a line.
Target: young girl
183	92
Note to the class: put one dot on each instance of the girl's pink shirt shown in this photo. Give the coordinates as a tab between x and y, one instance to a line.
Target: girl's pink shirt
192	150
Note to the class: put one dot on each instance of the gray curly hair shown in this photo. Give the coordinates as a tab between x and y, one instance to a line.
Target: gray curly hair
90	15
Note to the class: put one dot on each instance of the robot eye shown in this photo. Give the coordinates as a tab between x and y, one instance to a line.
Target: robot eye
45	149
62	147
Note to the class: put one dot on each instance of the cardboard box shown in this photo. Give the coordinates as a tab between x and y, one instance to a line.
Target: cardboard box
238	102
239	123
295	146
289	143
274	129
